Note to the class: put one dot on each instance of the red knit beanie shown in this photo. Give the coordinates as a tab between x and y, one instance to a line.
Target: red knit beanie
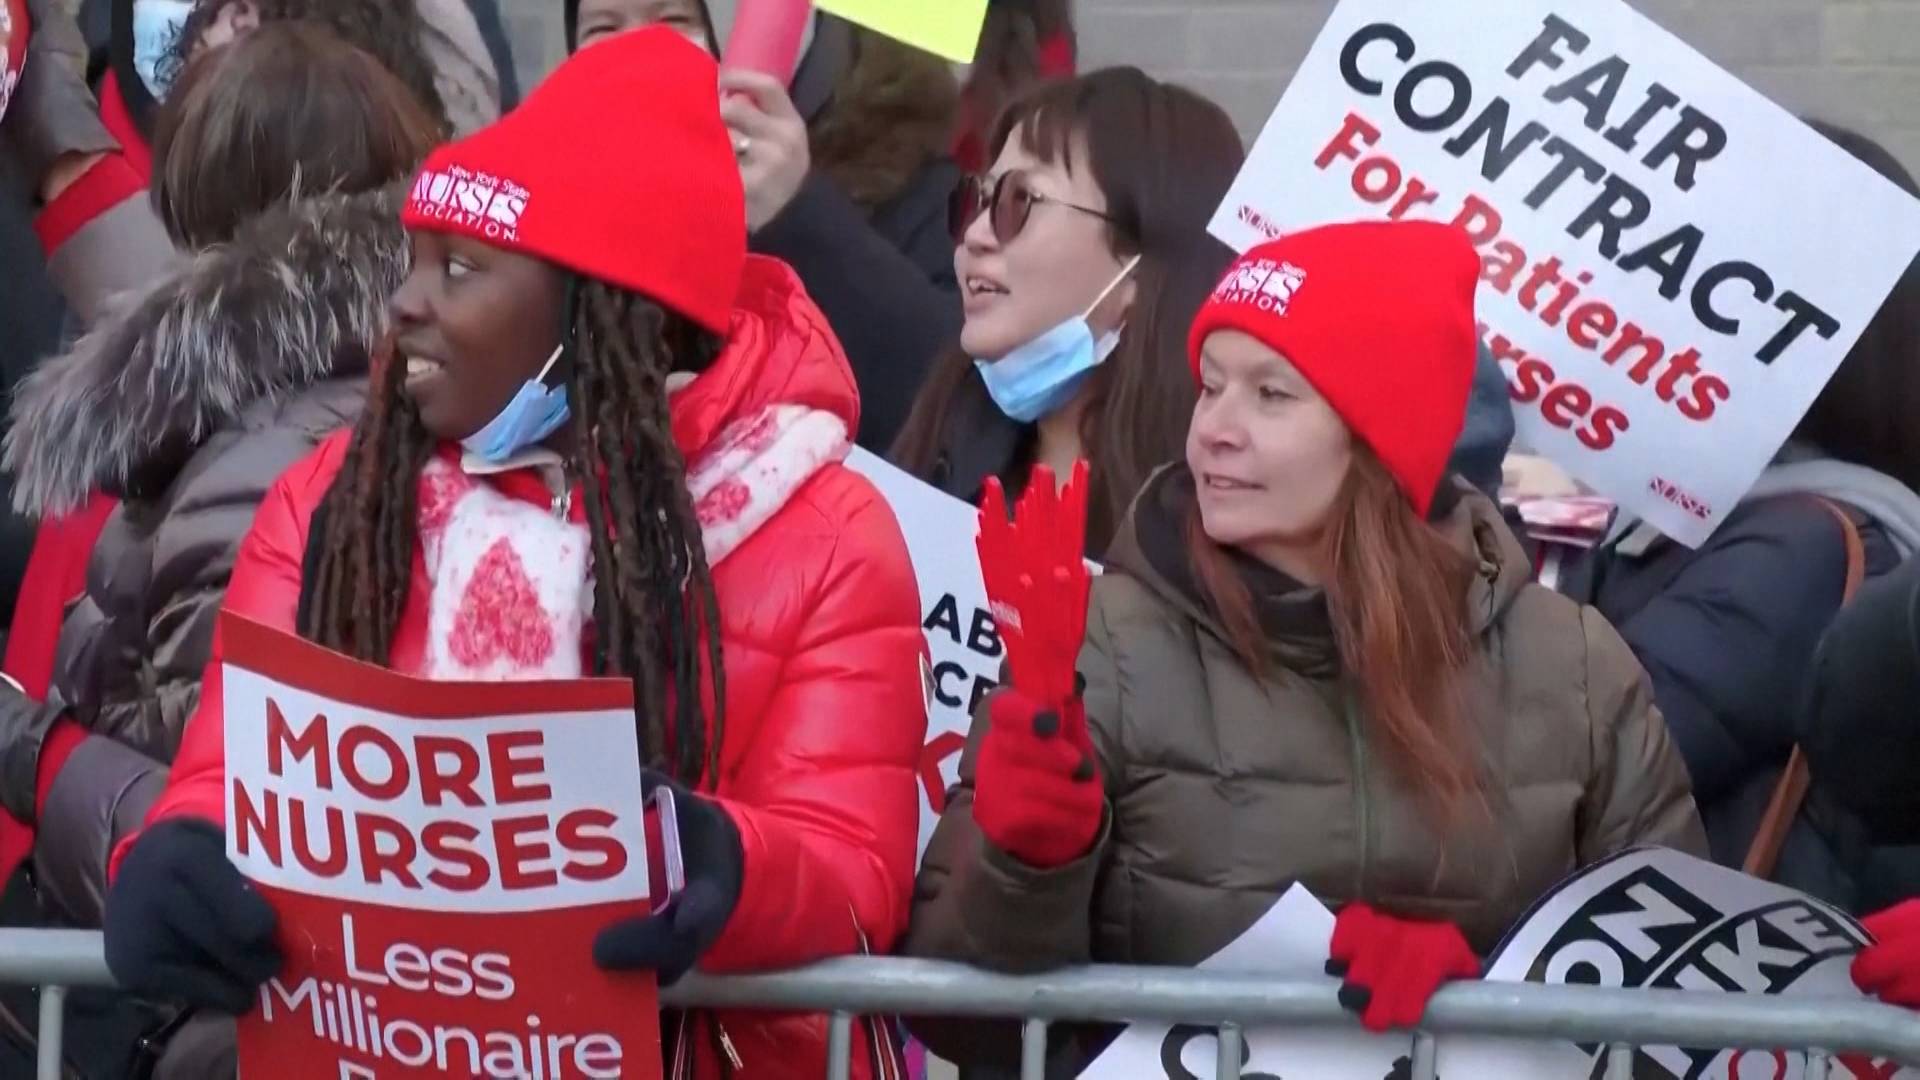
13	47
1378	316
617	167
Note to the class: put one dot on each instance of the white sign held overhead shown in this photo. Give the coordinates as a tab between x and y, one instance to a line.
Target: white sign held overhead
1672	265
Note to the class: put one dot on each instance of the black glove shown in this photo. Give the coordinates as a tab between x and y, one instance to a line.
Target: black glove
183	924
53	113
669	944
24	724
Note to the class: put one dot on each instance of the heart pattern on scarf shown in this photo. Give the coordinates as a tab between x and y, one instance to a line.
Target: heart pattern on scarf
500	614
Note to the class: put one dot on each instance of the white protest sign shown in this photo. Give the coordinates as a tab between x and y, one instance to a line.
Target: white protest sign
440	857
1290	940
965	649
1672	265
1655	918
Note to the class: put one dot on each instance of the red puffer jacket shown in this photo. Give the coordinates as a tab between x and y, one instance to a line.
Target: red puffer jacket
825	715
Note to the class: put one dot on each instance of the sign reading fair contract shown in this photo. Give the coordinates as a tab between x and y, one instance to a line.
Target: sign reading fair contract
440	856
1672	266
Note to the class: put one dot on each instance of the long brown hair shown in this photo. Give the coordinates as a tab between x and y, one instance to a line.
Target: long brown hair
286	112
656	617
1397	597
1164	157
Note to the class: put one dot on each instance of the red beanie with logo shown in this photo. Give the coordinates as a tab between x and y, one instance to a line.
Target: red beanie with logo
13	47
1378	316
616	167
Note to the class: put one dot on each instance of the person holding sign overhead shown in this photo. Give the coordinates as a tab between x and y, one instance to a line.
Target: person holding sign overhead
603	440
844	157
1084	259
1315	658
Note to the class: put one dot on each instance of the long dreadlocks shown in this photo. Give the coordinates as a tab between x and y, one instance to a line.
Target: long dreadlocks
654	602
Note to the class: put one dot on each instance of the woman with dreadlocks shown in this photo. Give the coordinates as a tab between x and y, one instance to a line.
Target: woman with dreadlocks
604	440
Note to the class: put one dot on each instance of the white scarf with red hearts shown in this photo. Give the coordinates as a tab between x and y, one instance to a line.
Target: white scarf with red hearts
511	582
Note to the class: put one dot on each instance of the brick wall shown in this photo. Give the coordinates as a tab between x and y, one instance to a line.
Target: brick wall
1853	61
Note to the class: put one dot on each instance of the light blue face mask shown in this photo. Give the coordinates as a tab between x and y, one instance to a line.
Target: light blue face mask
536	411
1040	377
156	25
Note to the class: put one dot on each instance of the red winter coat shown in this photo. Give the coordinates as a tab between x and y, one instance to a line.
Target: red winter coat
825	716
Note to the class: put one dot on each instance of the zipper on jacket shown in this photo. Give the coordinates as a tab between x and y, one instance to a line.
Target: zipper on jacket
563	503
729	1057
1362	808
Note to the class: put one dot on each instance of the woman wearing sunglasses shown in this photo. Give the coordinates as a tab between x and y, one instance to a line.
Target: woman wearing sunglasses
1316	657
1084	259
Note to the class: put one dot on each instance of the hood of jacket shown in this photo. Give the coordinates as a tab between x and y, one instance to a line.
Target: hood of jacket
889	114
779	351
1800	470
298	296
1890	503
1151	548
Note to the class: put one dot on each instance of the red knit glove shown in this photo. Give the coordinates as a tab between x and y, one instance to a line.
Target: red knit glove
1890	968
1036	788
1393	966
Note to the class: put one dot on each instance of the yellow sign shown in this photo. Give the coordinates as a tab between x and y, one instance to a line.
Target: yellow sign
949	28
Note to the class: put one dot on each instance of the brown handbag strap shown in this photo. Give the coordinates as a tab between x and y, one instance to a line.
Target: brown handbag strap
1791	791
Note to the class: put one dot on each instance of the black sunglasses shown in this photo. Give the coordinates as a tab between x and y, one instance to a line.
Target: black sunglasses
1009	200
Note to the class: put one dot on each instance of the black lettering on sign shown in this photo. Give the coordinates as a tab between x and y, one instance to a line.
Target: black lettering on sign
1401	41
1176	1042
1763	951
983	638
943	690
1403	1070
982	686
1625	935
944	616
1803	316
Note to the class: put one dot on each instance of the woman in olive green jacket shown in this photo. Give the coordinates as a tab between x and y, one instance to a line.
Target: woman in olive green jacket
1315	659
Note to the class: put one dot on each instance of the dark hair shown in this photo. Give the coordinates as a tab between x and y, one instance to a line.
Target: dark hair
287	112
1865	415
388	30
654	603
1397	597
1164	157
1006	63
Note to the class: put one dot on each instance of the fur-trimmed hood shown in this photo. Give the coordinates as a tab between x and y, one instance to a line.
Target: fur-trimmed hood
891	113
298	297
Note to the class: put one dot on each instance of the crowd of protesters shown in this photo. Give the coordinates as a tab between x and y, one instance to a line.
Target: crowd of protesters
256	367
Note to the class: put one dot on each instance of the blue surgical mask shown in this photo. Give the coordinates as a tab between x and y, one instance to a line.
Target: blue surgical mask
536	411
1040	377
156	25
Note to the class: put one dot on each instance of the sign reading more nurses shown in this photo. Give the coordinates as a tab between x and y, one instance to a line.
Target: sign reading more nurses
440	856
1672	265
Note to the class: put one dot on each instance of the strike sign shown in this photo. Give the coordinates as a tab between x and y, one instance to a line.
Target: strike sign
440	856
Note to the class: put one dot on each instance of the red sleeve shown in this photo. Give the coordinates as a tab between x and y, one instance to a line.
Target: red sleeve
826	800
16	839
265	587
56	574
106	184
119	123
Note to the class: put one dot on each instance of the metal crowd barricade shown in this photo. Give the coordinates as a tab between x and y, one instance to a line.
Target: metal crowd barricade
1230	1002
